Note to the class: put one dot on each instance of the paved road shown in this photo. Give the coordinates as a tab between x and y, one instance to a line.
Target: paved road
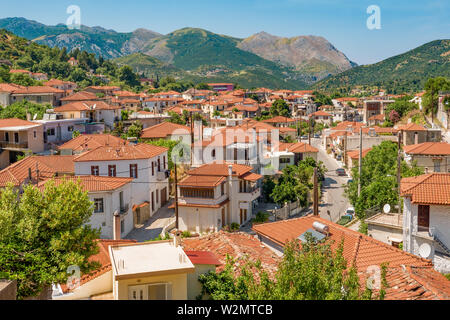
333	199
154	226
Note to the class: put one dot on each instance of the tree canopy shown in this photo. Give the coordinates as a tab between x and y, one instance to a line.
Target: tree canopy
42	233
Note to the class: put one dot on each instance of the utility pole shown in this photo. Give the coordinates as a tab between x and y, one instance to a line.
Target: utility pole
176	196
309	135
345	148
399	170
316	193
360	161
192	136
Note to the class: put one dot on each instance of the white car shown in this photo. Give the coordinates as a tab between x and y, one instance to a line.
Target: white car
350	211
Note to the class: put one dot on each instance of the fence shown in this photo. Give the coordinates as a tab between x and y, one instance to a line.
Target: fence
289	210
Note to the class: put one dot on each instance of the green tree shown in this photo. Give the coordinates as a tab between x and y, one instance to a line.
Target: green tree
169	144
378	178
280	108
202	86
19	110
127	75
431	96
42	233
135	130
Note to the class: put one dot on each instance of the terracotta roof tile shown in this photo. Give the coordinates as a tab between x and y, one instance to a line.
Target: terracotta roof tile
202	181
428	189
164	130
428	148
203	257
81	96
220	169
128	152
92	183
87	142
48	166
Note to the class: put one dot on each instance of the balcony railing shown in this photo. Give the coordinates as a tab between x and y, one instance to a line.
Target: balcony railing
14	145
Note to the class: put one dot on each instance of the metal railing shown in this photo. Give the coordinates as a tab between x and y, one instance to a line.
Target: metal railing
440	238
17	145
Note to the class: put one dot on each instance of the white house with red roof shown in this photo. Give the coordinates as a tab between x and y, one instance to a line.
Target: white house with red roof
146	164
426	218
216	195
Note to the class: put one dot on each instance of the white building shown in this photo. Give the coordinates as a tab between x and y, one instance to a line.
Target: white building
426	223
146	164
216	195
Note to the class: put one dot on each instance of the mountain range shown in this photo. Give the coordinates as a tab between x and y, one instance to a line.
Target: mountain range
258	60
261	60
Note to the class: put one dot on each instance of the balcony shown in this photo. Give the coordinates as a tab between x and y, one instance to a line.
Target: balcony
249	194
13	145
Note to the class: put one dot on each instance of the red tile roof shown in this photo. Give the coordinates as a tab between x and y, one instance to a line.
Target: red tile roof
81	96
13	122
428	148
408	277
203	257
279	119
359	249
354	154
237	245
91	183
220	169
164	130
298	147
428	189
320	114
128	152
86	142
37	90
48	167
412	127
85	106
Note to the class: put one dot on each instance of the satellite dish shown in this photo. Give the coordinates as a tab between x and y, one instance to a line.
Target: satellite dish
425	250
387	208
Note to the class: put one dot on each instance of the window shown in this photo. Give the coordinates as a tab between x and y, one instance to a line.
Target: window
222	189
34	134
51	132
133	171
70	128
122	226
98	205
95	170
7	136
112	172
213	154
437	166
164	162
16	137
197	193
153	201
157	197
159	164
153	168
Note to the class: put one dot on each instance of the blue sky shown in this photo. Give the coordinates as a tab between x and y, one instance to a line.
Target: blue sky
404	24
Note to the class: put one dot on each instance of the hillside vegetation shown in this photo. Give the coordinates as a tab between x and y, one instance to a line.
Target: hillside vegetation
407	72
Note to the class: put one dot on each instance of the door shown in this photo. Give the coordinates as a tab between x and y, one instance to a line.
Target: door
223	218
137	293
424	218
163	197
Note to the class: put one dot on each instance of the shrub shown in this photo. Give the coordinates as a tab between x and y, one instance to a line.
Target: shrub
261	217
343	221
186	234
235	226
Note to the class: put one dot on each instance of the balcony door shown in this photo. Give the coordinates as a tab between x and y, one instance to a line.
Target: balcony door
423	218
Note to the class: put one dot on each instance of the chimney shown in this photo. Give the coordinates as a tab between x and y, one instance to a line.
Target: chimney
230	170
416	138
177	239
117	228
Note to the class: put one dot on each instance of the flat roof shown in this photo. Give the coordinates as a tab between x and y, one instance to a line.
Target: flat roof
387	219
149	259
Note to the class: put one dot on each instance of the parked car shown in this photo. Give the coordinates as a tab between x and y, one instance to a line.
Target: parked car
349	181
341	172
350	211
317	136
304	137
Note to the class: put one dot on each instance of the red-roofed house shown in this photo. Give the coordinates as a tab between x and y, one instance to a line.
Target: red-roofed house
408	276
426	222
18	137
146	164
216	195
432	156
322	117
414	134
